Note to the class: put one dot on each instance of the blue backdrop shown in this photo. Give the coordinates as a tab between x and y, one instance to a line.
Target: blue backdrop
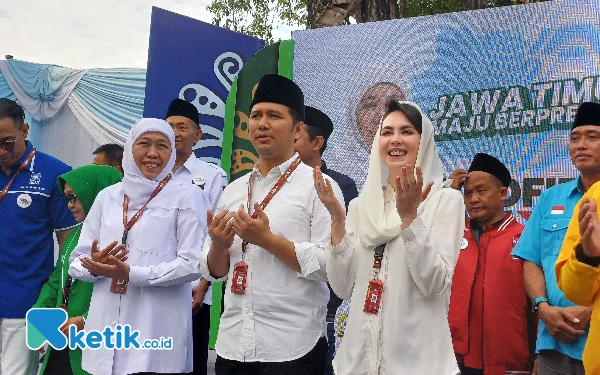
197	62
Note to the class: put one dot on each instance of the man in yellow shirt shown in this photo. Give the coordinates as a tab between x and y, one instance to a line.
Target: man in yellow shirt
578	265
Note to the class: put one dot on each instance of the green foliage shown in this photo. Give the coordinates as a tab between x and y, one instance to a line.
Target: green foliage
257	17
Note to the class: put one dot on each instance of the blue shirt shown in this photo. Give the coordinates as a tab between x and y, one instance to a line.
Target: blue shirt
540	243
31	211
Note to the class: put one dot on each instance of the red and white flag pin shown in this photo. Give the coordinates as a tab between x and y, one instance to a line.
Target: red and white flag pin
557	210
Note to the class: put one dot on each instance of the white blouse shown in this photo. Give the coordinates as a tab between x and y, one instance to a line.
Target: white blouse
164	250
410	336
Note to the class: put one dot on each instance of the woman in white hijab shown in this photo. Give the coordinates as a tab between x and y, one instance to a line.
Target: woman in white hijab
395	254
151	291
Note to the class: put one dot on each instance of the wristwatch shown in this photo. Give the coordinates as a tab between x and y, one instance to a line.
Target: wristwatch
537	301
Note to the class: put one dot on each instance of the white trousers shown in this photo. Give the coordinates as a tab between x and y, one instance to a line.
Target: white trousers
15	357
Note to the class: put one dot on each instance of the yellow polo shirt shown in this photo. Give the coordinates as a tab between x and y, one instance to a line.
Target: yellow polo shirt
581	283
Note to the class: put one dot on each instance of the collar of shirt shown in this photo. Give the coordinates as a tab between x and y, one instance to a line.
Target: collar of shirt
477	230
276	171
577	187
190	164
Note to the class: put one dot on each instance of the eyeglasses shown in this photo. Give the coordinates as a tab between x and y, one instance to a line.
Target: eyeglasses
70	198
9	145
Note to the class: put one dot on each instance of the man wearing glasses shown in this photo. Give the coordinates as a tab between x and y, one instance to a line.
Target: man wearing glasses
31	209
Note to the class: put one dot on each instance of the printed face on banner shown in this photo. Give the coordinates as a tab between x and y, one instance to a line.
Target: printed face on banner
489	83
371	108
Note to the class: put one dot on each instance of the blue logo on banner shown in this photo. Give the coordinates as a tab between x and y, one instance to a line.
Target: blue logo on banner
197	62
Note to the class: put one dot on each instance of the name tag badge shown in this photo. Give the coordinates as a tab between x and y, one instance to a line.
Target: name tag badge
118	286
374	295
24	200
199	181
240	277
464	244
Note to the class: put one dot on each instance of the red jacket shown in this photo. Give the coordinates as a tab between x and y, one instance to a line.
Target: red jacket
496	314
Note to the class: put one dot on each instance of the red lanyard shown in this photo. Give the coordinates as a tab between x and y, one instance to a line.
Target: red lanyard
21	169
274	190
127	225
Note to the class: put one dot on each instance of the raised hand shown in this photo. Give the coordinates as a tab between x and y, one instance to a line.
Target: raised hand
458	177
251	230
115	269
220	229
409	194
589	228
327	197
336	210
76	320
111	249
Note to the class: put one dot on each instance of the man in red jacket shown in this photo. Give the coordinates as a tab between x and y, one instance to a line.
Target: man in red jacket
488	306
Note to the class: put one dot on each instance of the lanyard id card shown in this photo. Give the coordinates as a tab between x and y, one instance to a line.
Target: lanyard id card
119	286
240	269
375	289
240	278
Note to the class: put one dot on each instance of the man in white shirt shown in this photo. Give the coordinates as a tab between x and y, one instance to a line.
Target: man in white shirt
266	239
184	120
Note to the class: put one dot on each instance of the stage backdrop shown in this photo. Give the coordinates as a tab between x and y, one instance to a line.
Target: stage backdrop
505	81
197	62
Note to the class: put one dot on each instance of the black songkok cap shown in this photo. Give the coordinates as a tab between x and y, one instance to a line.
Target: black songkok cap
588	113
274	88
489	164
180	107
319	120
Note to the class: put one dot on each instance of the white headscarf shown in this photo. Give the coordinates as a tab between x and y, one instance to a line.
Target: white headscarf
377	227
137	187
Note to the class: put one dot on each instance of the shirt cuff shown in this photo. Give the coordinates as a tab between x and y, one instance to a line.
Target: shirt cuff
307	257
138	275
342	246
414	229
582	258
78	271
205	272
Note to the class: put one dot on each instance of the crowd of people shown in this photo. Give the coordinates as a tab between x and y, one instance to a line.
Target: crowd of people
409	276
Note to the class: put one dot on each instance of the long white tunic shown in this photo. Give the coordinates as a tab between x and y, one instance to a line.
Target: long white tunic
164	250
410	336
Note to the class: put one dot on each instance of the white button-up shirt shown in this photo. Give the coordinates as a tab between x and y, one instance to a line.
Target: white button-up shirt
282	315
211	179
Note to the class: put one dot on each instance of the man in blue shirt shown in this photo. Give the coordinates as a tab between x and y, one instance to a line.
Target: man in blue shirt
563	325
32	209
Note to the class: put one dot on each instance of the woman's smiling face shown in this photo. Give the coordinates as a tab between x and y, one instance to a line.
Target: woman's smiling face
151	153
399	142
